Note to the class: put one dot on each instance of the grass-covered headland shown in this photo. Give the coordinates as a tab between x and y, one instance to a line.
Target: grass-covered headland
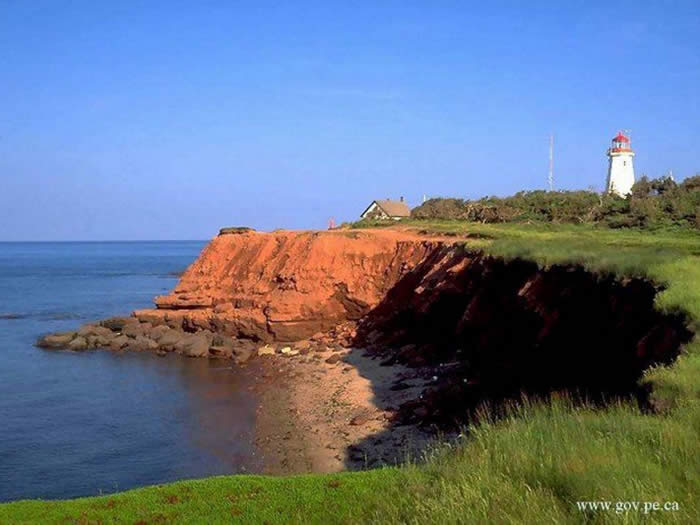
532	466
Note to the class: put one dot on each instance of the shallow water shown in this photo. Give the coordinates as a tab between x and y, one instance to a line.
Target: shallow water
77	424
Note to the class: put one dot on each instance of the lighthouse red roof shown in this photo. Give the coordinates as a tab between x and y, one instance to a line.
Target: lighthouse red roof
620	137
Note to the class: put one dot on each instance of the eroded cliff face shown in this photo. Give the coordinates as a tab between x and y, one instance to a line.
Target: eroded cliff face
286	286
490	328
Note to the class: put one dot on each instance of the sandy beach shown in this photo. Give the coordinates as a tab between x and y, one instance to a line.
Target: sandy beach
334	409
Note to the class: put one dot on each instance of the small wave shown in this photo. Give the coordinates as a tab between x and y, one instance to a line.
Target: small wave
43	316
13	317
170	275
120	275
60	316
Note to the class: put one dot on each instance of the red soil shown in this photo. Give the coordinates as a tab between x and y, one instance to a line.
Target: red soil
289	285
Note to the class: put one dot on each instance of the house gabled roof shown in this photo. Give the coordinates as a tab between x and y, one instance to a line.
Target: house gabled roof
394	208
391	208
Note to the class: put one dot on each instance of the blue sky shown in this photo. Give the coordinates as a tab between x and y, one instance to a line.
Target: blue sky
168	120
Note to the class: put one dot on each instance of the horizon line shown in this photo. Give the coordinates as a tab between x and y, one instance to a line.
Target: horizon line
104	240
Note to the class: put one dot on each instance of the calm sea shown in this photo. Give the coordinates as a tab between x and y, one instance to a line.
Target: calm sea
79	424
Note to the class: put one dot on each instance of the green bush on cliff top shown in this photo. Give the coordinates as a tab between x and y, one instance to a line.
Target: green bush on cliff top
653	203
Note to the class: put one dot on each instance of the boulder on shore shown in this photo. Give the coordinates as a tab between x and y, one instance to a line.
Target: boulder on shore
222	352
135	330
98	341
142	343
159	331
117	324
169	340
79	343
242	352
94	330
195	345
119	342
59	340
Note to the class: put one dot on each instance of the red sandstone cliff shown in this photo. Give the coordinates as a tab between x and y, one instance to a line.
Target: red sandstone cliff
289	285
486	327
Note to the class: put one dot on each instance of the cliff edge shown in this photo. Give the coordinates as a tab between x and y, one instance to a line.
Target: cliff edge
289	285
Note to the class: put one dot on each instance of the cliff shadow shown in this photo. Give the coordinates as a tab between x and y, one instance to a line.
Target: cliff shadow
481	330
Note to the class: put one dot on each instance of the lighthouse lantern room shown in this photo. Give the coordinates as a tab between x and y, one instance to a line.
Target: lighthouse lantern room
620	167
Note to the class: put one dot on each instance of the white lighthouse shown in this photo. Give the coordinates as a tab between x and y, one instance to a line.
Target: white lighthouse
620	167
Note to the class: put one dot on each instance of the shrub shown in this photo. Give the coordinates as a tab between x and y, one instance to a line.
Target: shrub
653	203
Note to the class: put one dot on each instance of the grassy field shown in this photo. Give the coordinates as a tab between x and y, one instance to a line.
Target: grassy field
531	467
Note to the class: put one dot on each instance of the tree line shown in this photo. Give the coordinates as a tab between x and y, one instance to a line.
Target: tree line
653	203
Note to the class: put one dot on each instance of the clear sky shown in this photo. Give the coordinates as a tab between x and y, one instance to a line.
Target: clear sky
168	120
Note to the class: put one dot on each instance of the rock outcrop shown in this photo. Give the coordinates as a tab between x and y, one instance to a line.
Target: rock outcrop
287	286
130	334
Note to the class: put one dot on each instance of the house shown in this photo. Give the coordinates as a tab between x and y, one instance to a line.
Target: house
387	209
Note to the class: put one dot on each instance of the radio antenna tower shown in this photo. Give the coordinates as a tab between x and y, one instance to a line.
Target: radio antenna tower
550	178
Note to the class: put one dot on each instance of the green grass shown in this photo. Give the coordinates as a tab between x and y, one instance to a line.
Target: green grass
531	467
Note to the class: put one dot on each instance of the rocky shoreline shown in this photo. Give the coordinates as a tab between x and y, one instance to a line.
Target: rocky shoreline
131	334
121	334
324	406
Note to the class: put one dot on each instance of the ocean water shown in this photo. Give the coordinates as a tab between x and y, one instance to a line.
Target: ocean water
80	424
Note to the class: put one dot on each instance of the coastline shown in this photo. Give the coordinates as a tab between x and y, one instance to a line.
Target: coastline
425	304
540	439
321	417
